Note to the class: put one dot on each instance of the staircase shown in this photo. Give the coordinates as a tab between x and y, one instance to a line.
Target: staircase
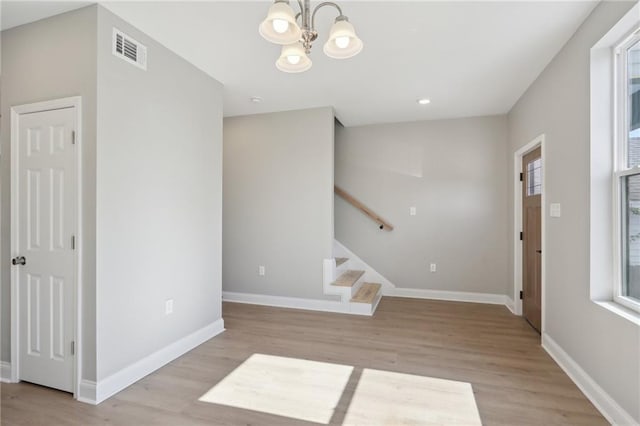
358	296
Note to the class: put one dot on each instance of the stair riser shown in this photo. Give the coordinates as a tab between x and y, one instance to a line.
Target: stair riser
365	308
344	267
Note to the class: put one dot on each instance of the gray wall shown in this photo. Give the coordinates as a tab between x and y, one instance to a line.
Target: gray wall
49	59
278	202
159	200
453	172
606	346
153	211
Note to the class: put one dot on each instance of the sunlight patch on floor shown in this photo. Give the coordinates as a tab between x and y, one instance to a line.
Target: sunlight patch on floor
387	398
290	387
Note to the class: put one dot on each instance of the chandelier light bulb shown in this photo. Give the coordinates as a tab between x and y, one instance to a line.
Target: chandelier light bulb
293	59
280	26
342	42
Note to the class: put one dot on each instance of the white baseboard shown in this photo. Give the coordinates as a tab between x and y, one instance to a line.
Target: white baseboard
113	384
389	289
452	296
87	392
609	408
5	372
285	302
510	304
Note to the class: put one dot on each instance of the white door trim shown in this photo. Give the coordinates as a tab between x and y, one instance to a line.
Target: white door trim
16	112
517	225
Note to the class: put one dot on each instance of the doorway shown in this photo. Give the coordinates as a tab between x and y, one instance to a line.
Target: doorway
529	225
532	238
45	243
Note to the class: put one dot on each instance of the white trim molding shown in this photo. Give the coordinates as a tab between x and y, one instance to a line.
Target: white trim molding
605	152
5	372
609	408
95	393
286	302
451	296
339	307
87	392
510	304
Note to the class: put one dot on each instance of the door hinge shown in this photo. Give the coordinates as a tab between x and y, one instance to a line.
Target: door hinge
521	236
73	137
521	177
73	347
73	242
521	295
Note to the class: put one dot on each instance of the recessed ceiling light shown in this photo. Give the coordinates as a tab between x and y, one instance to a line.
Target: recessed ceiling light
423	101
255	99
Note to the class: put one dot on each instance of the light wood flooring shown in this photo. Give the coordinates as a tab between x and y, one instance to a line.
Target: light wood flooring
514	381
366	293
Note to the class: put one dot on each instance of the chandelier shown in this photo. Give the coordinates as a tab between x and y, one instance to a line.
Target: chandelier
297	32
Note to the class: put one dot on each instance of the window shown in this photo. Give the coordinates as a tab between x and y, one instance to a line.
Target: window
627	171
534	177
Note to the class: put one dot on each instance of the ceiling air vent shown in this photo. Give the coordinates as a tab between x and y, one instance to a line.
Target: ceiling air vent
129	49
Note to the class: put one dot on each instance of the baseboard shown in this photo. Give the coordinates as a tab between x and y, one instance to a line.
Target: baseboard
510	304
5	372
113	384
452	296
87	392
609	408
285	302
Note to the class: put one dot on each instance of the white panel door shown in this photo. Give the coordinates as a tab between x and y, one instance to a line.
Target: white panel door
45	196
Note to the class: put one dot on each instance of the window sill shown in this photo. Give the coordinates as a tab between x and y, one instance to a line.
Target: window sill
620	310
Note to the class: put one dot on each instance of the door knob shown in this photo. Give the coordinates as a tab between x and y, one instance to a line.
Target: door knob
539	251
20	260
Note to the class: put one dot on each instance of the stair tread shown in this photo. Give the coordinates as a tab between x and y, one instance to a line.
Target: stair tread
341	260
366	293
348	278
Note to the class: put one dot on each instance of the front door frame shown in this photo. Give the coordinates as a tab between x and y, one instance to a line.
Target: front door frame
517	226
16	112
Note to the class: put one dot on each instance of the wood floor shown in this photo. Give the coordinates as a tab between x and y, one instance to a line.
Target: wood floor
514	381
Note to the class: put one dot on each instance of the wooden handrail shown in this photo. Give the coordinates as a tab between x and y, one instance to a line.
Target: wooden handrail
364	209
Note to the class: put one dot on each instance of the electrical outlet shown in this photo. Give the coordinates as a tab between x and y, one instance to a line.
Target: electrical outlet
412	211
432	267
168	307
261	271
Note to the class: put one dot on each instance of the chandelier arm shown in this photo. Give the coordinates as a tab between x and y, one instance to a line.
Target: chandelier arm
301	7
326	3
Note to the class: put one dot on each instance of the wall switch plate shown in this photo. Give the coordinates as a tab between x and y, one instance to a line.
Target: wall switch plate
261	271
412	211
555	210
168	307
432	267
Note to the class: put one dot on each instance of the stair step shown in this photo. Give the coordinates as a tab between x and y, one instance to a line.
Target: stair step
348	278
367	293
340	260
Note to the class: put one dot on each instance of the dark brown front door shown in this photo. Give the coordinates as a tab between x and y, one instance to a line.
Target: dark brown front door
532	238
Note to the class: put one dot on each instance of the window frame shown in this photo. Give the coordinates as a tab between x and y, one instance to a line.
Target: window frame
621	169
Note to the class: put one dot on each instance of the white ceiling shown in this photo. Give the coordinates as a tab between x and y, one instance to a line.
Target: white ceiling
470	58
16	13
